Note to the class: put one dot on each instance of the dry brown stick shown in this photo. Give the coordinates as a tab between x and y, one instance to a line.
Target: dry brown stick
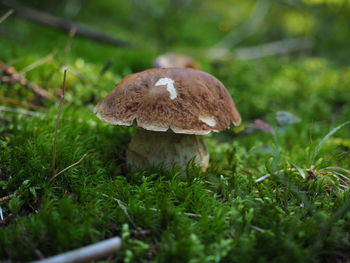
65	25
36	89
12	77
6	15
53	164
6	198
23	81
23	104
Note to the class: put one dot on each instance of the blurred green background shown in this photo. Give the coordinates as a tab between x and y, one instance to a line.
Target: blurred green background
246	44
194	25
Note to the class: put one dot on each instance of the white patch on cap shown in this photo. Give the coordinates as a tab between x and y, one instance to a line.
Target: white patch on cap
169	86
209	120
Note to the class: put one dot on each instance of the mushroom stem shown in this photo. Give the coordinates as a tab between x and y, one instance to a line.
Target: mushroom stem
166	149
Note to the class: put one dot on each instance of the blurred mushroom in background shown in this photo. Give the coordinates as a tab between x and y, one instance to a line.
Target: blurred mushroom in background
170	60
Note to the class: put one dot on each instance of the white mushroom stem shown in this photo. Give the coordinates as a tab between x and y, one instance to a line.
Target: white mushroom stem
165	149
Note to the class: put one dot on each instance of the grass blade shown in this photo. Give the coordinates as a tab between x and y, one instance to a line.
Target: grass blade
325	138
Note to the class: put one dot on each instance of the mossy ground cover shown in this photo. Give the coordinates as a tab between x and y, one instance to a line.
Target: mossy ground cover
278	194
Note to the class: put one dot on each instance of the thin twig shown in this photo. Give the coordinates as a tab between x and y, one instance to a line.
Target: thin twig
22	111
43	93
16	102
280	47
37	63
68	167
185	213
337	168
14	61
341	177
262	178
63	24
6	15
273	48
6	198
258	228
123	208
53	164
344	186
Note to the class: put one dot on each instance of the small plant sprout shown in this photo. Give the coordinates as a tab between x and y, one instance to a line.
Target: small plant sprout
342	175
171	107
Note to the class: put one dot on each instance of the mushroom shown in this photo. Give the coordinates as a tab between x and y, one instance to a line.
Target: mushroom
170	60
172	107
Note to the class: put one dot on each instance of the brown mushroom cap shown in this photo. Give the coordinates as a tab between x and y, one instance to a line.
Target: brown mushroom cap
185	100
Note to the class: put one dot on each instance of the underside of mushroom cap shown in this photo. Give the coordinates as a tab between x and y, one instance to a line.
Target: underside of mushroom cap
184	100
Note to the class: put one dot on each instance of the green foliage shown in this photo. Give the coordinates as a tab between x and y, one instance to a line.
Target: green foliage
223	215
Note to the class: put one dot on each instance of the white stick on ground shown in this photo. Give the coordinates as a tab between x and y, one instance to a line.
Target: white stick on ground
1	215
86	254
262	178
